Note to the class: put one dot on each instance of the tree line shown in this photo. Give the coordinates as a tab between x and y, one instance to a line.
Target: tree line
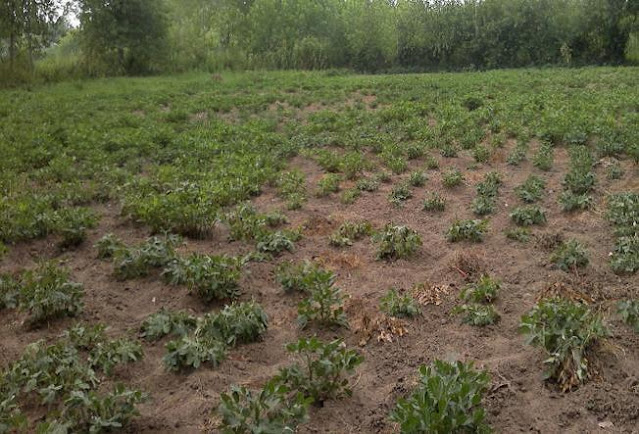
148	36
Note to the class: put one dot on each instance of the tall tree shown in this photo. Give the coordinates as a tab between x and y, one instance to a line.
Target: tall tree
124	36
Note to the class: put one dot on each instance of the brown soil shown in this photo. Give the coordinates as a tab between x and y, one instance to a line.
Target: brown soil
518	400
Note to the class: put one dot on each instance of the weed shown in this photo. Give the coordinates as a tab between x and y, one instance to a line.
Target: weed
566	330
273	409
485	290
350	196
471	230
324	306
322	371
399	305
531	190
572	202
625	255
436	202
570	255
417	179
629	311
210	277
446	400
397	242
528	216
368	184
47	293
479	315
303	277
167	323
328	184
292	188
348	232
452	178
521	235
400	193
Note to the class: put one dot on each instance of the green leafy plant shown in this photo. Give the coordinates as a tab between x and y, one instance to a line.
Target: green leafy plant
452	178
368	184
328	184
210	277
399	305
570	255
397	242
322	371
566	331
544	158
323	306
481	154
623	213
625	255
245	223
108	245
165	323
446	400
436	202
476	314
485	290
348	232
521	235
629	311
46	293
572	202
277	242
135	262
191	352
292	188
528	216
471	230
9	292
417	179
483	205
273	409
400	193
303	277
531	190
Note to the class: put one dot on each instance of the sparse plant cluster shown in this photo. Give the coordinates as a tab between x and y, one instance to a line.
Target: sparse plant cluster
63	377
567	331
398	304
478	298
208	340
447	400
531	190
487	192
45	292
470	230
579	181
210	277
629	312
328	184
570	255
321	373
324	304
291	186
246	224
435	202
397	242
623	213
400	193
528	216
543	159
349	232
452	178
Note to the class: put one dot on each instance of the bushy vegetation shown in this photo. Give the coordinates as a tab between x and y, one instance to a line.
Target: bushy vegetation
397	242
447	399
567	331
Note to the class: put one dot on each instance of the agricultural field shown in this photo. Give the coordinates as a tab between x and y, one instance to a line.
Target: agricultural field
322	252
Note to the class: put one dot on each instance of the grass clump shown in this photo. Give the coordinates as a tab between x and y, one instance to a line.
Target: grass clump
452	178
566	331
435	203
470	230
399	305
397	242
446	400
